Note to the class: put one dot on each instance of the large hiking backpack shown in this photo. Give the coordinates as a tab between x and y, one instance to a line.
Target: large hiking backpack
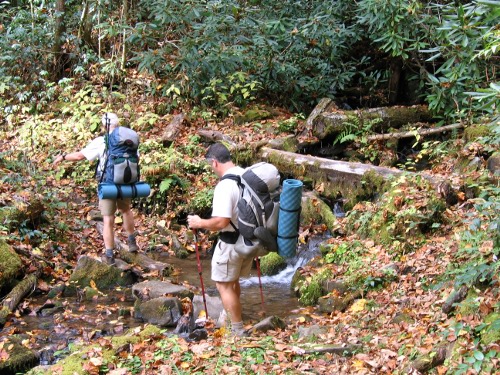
122	159
258	209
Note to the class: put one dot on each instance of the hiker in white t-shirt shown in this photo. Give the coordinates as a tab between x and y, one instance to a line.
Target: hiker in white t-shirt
227	265
96	149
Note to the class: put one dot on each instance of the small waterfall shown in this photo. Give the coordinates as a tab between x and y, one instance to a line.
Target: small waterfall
305	253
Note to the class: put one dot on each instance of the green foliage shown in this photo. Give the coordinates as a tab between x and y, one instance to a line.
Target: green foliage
201	201
344	253
356	130
226	54
392	26
293	50
479	357
237	91
455	43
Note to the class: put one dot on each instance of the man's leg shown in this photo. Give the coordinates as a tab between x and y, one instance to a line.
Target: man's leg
108	232
108	209
230	296
128	224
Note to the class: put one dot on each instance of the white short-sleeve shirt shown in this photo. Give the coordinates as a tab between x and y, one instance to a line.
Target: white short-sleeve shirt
96	150
226	196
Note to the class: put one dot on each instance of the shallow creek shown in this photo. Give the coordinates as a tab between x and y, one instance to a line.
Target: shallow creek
111	313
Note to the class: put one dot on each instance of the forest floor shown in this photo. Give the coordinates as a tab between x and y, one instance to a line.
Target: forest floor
390	325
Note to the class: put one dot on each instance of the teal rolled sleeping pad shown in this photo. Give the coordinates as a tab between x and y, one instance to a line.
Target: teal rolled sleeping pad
113	191
289	217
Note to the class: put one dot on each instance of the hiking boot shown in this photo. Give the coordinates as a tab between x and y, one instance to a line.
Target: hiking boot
267	239
239	333
132	245
109	260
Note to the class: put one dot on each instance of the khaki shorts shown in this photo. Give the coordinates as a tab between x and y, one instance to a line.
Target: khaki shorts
228	265
108	206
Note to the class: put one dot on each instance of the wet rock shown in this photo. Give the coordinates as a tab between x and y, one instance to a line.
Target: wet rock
153	289
161	311
49	309
214	306
329	286
270	323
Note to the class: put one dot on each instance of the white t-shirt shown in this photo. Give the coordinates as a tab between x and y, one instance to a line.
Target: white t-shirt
96	150
226	196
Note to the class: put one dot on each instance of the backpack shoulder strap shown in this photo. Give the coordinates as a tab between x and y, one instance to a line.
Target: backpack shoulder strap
236	178
233	177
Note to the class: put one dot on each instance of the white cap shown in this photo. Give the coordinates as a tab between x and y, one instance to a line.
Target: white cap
111	119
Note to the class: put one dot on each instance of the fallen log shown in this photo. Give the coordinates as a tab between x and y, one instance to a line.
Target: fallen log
332	178
454	298
216	136
16	295
173	129
323	124
408	134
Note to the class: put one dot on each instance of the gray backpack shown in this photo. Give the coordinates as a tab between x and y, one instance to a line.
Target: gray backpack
258	209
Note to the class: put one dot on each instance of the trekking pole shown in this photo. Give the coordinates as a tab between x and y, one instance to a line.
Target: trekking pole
200	269
257	263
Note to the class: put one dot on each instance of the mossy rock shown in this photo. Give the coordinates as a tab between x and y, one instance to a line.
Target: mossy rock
401	217
272	264
298	277
10	266
251	115
314	211
89	270
472	133
311	289
491	333
20	359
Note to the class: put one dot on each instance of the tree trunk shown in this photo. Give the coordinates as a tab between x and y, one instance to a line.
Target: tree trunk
58	57
396	68
125	22
85	26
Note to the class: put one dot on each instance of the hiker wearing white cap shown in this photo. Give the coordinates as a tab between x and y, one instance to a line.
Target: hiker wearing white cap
96	149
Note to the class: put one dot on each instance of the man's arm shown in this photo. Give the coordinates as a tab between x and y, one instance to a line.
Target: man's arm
72	156
213	224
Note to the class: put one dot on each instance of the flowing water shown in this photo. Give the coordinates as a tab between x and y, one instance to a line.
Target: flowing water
277	295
